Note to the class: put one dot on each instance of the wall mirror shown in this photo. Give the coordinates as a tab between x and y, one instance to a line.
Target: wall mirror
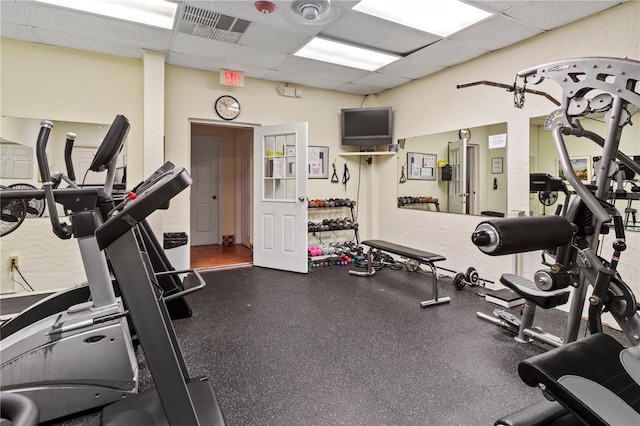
18	156
462	171
548	190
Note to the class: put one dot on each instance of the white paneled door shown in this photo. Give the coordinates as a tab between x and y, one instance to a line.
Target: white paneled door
280	197
205	199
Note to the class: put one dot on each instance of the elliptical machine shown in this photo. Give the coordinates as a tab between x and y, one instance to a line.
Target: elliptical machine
66	353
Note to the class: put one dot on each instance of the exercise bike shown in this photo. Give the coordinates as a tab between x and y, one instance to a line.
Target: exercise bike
571	243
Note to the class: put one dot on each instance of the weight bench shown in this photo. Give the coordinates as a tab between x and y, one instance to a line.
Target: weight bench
422	257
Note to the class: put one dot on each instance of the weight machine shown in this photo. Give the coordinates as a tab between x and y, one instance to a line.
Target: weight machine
572	243
594	380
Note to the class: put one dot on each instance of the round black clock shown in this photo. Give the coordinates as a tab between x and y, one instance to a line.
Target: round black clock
464	134
227	107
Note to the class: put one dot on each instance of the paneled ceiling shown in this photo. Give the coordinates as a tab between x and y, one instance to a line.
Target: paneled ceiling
213	35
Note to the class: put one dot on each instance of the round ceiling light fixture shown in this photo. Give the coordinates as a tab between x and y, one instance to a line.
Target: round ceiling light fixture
265	7
310	10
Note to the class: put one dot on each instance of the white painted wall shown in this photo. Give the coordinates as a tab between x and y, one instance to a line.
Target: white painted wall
44	82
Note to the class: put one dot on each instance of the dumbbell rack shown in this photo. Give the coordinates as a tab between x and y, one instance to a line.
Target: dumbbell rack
418	201
332	211
334	227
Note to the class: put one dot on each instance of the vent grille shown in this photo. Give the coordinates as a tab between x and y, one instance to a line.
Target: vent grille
212	25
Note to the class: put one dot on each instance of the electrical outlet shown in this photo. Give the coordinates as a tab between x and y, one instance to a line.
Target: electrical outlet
13	261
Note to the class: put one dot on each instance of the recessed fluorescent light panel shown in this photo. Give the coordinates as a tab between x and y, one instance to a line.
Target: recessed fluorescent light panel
157	13
343	54
442	17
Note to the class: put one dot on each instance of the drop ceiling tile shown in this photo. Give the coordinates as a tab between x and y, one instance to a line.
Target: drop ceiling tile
495	33
382	81
58	38
18	32
302	80
358	89
264	50
206	48
321	69
411	68
11	14
446	53
98	27
242	9
261	36
551	14
366	30
493	5
208	64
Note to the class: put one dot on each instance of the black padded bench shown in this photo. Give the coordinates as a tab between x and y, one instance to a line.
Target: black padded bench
420	256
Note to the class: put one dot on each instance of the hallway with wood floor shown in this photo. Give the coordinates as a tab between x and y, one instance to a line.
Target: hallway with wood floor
219	255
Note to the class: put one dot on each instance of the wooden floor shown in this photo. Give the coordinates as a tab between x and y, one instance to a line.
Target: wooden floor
219	255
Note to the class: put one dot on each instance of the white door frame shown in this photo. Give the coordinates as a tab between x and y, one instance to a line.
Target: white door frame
473	173
214	123
458	192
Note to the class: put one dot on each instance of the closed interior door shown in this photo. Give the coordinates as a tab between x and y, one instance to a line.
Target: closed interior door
82	157
205	197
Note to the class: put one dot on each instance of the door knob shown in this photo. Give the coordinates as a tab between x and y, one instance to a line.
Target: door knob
301	198
214	197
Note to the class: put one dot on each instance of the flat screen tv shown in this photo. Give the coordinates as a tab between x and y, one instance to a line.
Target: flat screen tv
367	126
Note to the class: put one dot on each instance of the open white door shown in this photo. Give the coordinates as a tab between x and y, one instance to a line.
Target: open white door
458	182
280	197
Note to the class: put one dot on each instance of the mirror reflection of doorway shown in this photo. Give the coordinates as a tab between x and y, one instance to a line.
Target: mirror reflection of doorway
463	187
221	206
473	171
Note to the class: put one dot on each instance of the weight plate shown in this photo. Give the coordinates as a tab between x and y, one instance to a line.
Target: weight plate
412	265
459	281
472	276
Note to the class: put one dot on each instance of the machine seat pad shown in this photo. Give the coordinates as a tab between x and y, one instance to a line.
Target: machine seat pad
528	289
542	413
595	358
408	252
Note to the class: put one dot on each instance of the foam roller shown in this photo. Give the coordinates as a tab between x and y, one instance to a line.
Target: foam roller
521	234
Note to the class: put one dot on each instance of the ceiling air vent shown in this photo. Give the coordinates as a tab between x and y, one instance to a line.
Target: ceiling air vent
212	25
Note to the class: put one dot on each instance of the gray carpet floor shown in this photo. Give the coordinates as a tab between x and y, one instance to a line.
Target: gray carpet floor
329	348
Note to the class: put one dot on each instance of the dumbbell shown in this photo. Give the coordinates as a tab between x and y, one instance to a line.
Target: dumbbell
470	278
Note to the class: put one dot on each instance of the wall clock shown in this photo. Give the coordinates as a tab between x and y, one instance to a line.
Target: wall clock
227	107
464	134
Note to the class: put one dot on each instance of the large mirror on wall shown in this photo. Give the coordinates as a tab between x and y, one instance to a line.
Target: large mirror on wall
549	192
462	171
18	142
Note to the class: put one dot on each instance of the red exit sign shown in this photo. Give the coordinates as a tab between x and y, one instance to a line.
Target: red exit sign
232	78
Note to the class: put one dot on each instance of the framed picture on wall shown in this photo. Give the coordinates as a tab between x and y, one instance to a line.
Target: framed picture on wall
421	166
317	166
581	167
496	165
